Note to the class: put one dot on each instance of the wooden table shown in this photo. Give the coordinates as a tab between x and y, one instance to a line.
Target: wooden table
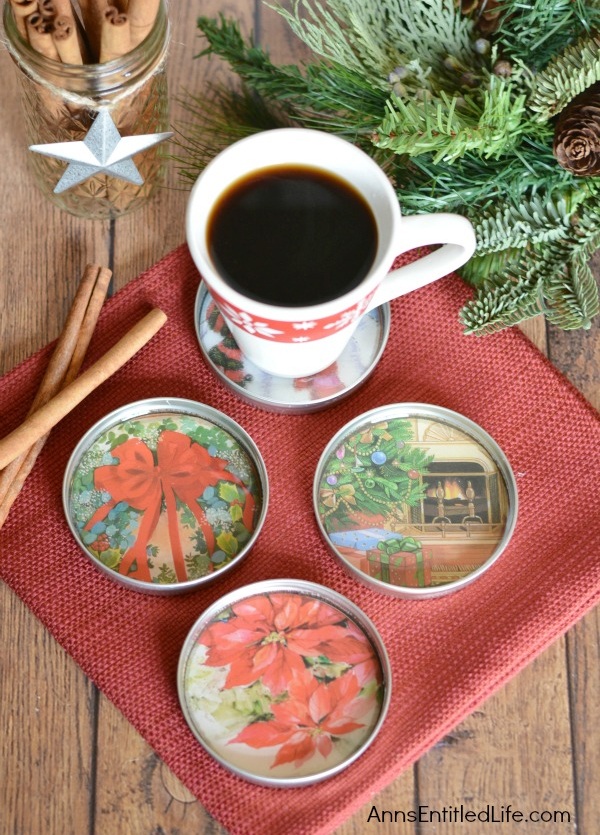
70	764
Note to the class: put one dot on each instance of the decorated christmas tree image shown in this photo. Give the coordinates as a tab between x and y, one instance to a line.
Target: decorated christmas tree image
374	473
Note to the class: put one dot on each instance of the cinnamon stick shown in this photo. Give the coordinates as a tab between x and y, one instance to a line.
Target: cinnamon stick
142	15
22	9
92	12
66	40
89	324
46	9
42	421
39	33
115	40
17	471
61	358
57	8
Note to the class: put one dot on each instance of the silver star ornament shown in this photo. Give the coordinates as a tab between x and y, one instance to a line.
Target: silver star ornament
103	150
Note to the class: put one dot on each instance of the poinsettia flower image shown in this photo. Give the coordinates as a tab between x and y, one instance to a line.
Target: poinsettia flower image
268	637
310	720
366	664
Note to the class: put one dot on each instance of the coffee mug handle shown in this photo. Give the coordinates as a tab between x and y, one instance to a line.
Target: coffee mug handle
453	231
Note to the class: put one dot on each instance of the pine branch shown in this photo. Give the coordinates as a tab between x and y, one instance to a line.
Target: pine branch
473	182
213	123
319	95
554	279
324	33
572	299
534	31
480	270
534	220
365	35
570	288
325	97
488	127
249	61
566	76
503	306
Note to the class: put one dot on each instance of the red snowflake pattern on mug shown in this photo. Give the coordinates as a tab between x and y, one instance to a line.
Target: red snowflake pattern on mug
276	330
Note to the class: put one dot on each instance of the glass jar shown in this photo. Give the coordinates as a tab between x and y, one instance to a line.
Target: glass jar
62	101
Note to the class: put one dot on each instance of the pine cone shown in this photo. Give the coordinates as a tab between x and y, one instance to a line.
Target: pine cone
485	13
577	134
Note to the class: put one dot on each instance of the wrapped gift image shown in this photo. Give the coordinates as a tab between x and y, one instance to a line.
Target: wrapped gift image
401	562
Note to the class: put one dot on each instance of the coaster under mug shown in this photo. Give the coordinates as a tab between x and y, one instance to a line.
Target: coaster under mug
288	395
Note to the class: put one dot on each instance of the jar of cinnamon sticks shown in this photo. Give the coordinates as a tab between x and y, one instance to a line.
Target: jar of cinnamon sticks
92	76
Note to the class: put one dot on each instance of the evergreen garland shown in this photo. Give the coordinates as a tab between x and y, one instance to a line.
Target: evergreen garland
535	32
566	76
460	120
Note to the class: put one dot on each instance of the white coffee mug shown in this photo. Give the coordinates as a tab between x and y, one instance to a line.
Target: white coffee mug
300	341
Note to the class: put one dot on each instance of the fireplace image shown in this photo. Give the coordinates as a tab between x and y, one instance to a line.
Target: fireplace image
463	513
413	501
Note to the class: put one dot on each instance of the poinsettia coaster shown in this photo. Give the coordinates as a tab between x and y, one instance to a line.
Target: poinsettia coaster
284	682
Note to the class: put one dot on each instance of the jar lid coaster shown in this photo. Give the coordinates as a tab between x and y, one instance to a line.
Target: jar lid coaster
415	500
165	494
284	682
282	394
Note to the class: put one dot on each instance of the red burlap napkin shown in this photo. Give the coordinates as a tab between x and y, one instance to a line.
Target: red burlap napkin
447	655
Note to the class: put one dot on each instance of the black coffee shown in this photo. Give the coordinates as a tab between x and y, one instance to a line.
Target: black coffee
292	235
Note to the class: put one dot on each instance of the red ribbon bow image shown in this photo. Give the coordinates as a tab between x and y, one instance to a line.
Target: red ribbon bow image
183	470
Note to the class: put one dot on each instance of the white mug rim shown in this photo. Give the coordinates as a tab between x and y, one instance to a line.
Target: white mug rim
383	259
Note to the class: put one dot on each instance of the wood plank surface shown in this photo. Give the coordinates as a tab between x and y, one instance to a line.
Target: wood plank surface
70	764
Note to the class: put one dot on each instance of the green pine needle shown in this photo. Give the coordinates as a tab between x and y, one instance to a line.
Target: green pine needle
566	76
534	31
534	220
449	128
572	301
214	123
374	37
503	306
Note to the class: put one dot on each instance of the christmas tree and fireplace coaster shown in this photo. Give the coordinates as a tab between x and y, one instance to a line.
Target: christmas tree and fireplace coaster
289	395
415	500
